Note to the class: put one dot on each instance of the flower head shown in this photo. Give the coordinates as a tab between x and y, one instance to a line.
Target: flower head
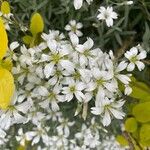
108	15
74	27
135	58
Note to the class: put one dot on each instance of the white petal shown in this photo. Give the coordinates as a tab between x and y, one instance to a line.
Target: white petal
130	67
140	65
69	97
74	39
67	27
134	51
89	43
52	45
106	119
96	73
96	110
122	65
43	91
109	22
54	106
79	25
66	64
36	140
18	118
48	69
142	55
117	114
91	86
123	78
14	45
24	107
80	86
78	4
80	96
128	90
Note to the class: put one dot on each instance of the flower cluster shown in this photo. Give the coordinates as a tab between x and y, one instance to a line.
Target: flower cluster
59	71
67	90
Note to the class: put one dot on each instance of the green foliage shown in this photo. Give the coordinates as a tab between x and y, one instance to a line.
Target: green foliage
142	112
131	125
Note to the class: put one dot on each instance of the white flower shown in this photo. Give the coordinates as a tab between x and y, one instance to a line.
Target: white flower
102	82
91	140
64	126
53	35
106	108
135	58
74	28
14	113
51	97
107	14
27	56
56	57
21	137
38	133
74	89
86	54
35	116
78	3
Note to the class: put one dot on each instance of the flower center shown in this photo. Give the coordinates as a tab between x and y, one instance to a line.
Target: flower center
86	53
72	89
133	59
100	82
106	15
56	58
74	28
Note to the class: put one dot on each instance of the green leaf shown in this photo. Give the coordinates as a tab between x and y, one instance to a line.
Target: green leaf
145	134
37	24
5	7
131	125
27	39
121	140
140	91
142	112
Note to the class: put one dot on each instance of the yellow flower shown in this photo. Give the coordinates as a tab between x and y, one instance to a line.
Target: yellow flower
6	88
3	40
6	79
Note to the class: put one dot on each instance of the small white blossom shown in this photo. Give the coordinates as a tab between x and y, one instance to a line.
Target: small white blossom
74	28
78	3
107	108
107	14
21	137
135	59
74	89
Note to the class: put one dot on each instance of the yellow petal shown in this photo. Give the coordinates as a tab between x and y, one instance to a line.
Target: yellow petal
3	40
7	88
5	7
